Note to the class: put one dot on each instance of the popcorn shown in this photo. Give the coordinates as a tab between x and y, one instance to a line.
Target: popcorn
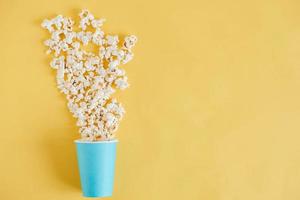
89	79
122	83
112	40
130	41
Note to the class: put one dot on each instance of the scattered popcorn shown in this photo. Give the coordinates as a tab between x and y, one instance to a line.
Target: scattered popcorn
89	79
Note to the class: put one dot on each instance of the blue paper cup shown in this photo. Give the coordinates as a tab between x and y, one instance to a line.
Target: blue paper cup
96	162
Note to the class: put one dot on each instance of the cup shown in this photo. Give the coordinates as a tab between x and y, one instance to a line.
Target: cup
96	161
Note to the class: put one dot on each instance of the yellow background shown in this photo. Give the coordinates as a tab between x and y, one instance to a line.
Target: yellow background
213	111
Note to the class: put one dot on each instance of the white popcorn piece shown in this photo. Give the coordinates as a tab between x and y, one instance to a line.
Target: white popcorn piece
89	79
113	64
121	83
97	23
112	40
130	41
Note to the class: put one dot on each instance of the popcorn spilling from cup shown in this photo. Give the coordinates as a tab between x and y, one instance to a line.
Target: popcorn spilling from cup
89	78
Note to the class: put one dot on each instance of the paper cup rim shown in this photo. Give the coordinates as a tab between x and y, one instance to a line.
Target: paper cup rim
95	142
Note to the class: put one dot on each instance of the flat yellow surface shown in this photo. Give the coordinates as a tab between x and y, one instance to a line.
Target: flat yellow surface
213	111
